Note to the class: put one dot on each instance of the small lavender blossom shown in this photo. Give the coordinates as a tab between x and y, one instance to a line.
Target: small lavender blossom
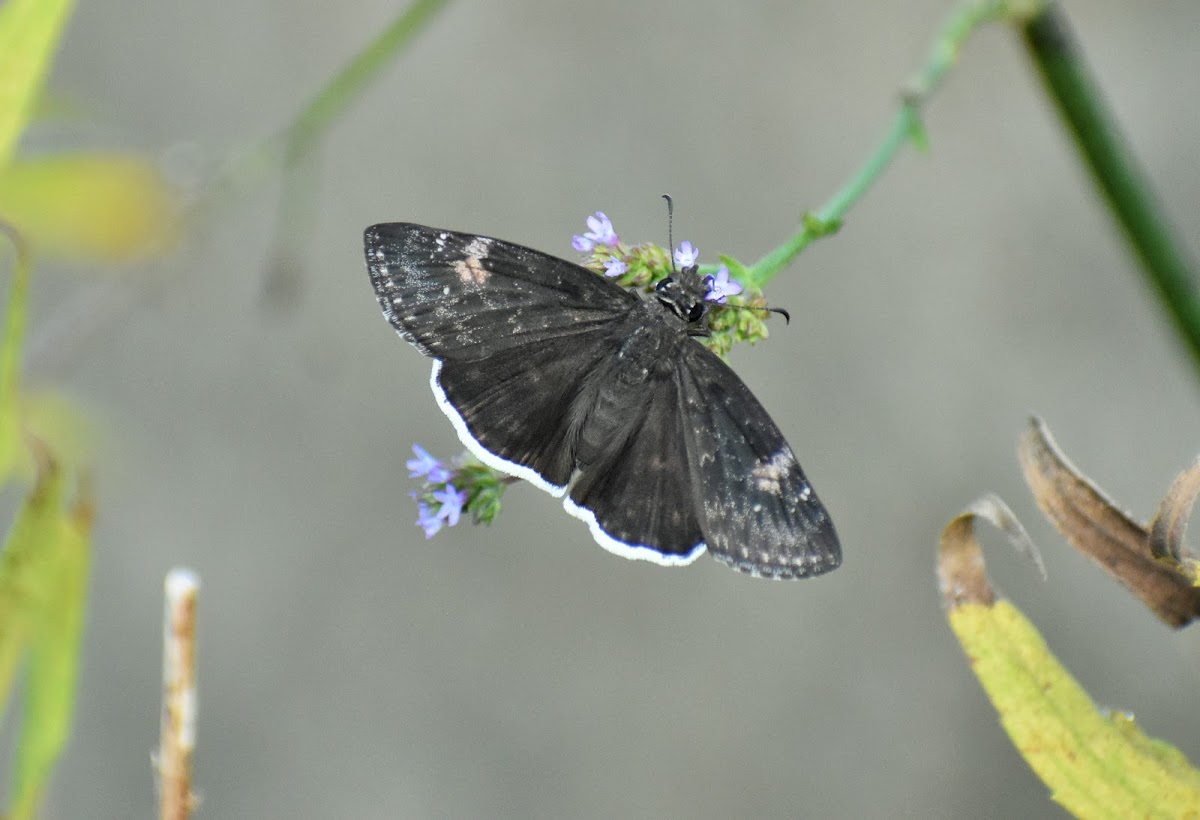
686	255
600	233
720	286
452	502
427	466
615	267
428	520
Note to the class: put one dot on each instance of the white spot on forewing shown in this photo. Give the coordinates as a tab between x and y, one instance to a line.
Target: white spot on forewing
482	453
634	552
479	247
767	473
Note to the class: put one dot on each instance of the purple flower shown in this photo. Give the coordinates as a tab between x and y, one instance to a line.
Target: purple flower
721	285
452	502
427	466
428	520
600	233
686	255
615	267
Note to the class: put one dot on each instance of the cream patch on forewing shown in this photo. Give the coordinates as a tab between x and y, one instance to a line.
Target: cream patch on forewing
470	268
766	474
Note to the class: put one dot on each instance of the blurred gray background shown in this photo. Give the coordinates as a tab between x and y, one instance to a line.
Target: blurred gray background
350	668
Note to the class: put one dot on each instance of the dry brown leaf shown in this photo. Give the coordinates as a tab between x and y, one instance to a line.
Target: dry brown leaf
1170	523
1095	526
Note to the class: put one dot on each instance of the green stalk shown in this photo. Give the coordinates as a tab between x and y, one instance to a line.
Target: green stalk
288	147
906	127
1055	52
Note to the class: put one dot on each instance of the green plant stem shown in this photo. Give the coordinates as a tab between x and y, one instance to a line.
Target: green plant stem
359	73
906	127
1054	50
293	143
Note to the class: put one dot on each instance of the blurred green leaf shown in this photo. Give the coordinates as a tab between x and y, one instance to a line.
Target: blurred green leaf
54	652
29	33
11	344
22	561
90	207
63	423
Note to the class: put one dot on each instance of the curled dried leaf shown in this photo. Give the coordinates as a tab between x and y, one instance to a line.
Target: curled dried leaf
1095	526
1169	526
962	576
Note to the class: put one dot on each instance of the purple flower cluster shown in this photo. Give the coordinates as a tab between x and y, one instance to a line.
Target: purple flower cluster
600	232
720	286
614	259
438	507
686	254
426	466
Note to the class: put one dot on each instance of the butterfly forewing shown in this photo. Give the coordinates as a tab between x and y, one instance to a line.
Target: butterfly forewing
460	296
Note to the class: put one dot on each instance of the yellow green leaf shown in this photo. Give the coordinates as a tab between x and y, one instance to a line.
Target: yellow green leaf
54	652
90	207
11	344
1094	764
63	424
23	559
29	34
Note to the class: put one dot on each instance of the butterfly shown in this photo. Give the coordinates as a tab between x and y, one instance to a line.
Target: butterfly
556	375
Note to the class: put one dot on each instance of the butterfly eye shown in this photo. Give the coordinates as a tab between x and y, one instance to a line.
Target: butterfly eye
661	287
696	312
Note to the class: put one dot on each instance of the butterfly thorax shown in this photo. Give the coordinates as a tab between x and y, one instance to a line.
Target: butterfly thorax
613	402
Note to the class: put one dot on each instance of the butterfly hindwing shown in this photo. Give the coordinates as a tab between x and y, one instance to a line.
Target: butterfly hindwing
759	513
636	493
461	296
523	404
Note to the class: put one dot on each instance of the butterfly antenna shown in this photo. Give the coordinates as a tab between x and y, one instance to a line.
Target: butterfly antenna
670	229
787	317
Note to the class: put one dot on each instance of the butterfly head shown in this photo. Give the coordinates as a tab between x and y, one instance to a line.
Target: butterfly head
685	295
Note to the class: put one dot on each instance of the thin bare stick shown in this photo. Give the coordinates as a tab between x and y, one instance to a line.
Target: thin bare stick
178	726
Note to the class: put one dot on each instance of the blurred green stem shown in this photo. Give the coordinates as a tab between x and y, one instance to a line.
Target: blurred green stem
1055	52
296	141
351	81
